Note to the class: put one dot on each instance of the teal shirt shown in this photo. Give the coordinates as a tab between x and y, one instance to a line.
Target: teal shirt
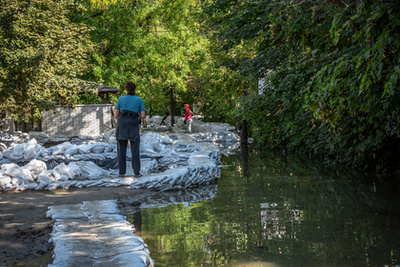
130	103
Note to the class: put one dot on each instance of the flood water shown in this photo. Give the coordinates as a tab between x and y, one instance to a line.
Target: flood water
269	210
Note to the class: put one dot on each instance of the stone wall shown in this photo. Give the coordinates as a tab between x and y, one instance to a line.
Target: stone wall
86	120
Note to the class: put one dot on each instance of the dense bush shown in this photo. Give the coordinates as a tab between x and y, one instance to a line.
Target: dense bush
332	71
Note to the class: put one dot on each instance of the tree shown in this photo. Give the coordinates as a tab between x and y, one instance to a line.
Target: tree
42	54
156	44
332	71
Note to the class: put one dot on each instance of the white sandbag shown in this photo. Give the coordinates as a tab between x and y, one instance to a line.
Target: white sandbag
10	169
65	184
30	186
47	177
13	170
39	135
110	155
45	157
60	148
14	153
97	149
109	136
27	175
97	156
146	148
71	151
90	170
83	157
32	150
21	184
109	148
152	138
85	149
76	170
148	138
58	184
60	157
40	186
17	181
24	152
35	167
102	147
159	148
65	172
5	181
52	186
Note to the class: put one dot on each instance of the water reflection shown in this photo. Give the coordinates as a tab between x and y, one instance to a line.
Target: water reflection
274	220
272	210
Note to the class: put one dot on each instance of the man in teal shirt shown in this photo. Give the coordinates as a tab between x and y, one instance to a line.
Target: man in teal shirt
128	110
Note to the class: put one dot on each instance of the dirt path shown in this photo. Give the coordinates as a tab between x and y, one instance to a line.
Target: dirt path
24	228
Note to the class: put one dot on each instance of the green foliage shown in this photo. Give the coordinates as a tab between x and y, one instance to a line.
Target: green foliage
220	87
356	92
332	73
153	43
276	117
42	53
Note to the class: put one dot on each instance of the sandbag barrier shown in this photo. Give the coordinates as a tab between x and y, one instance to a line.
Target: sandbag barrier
169	161
94	233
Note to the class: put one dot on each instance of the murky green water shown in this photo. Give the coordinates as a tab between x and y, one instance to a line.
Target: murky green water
269	211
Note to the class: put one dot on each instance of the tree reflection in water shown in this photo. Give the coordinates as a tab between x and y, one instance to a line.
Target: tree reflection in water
269	209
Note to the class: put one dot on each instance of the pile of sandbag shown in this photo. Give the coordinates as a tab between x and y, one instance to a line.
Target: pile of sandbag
24	152
220	137
171	160
35	174
83	151
64	151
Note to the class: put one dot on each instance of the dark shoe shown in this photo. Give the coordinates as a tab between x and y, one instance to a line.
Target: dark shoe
139	175
121	175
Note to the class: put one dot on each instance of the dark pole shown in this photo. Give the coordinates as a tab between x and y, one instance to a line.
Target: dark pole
243	133
171	92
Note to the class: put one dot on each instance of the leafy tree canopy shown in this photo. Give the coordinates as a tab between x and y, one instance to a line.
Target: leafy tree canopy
331	70
155	44
42	53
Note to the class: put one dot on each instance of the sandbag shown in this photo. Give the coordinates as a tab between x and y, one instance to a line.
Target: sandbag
65	172
60	148
91	170
13	170
5	182
35	167
47	177
25	152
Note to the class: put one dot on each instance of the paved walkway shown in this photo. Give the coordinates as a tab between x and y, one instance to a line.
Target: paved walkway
94	233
